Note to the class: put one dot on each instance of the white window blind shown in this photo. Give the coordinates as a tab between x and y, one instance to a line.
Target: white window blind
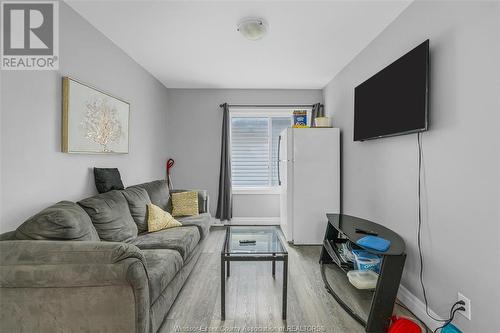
254	149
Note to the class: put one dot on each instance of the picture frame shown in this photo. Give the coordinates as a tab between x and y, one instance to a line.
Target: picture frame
93	121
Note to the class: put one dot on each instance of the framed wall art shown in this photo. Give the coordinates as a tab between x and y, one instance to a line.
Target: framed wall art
93	121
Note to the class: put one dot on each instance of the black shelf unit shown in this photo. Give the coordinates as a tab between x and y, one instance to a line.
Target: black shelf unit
342	228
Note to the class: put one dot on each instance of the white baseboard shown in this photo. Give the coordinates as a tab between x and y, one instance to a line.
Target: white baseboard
417	307
256	220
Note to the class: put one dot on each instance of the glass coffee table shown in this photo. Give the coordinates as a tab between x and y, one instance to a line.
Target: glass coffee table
252	243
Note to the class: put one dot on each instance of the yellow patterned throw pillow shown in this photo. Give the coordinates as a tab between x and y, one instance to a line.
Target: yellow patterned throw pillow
185	203
159	219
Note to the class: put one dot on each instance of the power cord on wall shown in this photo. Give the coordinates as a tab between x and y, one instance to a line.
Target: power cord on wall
419	244
452	315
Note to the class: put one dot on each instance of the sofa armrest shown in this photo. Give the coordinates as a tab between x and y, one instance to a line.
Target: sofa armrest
27	263
203	200
39	252
29	269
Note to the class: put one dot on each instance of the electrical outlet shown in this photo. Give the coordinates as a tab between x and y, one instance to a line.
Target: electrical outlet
465	313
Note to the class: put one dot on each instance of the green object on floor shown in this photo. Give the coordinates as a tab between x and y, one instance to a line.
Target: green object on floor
450	328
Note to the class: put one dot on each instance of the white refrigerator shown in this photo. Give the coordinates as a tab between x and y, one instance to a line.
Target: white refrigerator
309	180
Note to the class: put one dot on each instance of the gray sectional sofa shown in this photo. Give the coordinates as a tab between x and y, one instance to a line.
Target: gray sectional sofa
92	267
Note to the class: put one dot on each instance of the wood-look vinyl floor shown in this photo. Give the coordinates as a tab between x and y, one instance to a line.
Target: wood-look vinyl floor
253	297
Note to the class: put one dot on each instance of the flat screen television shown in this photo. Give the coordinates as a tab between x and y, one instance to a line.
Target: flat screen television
395	100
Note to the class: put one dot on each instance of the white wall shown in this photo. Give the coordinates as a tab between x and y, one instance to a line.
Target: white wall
461	155
34	172
256	205
194	135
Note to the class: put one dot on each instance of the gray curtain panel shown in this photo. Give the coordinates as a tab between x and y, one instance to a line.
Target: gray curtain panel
225	199
318	110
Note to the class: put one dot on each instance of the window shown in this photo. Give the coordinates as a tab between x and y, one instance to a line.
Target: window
254	147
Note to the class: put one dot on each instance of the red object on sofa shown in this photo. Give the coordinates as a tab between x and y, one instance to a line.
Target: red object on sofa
403	325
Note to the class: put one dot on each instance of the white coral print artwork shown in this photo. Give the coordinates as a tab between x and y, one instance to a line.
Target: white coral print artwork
102	124
97	122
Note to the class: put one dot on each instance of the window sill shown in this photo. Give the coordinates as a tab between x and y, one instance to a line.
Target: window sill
256	190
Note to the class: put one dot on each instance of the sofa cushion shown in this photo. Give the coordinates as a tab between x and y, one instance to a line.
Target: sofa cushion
111	217
9	235
185	203
138	199
162	265
202	199
107	179
158	192
182	239
64	220
202	221
158	219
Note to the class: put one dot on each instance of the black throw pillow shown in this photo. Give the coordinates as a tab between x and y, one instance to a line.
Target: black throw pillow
107	179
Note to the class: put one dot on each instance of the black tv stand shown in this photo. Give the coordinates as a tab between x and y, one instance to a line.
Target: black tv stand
342	228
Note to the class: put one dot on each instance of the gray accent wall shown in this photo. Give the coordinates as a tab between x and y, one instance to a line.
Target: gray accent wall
194	135
461	227
34	171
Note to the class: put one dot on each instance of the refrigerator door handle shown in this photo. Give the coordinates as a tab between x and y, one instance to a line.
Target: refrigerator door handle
278	161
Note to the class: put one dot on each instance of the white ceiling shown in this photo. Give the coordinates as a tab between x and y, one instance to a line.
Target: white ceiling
194	44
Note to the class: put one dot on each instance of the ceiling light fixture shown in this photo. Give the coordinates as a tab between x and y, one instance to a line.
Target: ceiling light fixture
252	28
